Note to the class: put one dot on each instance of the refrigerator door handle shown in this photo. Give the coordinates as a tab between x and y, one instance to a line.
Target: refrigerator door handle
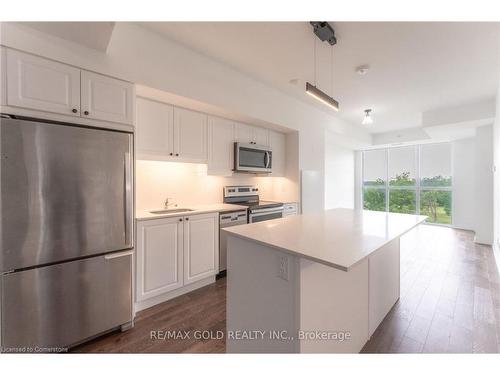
128	200
118	255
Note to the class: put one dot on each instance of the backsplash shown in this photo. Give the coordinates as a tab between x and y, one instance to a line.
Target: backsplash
189	184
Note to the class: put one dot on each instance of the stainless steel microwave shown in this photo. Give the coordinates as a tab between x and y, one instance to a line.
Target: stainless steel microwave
252	158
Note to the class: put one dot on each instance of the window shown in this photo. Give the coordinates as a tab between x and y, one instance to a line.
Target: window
402	180
374	180
410	179
435	182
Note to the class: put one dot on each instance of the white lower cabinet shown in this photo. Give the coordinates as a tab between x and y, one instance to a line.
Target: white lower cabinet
159	257
173	254
201	247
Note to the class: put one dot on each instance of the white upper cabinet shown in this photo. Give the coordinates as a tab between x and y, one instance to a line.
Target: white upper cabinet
159	257
190	135
277	142
251	134
165	132
105	98
243	133
201	247
155	129
40	84
261	136
220	146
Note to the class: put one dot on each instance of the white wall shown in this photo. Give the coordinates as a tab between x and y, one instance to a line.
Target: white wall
143	57
339	174
472	160
189	184
484	185
496	178
463	160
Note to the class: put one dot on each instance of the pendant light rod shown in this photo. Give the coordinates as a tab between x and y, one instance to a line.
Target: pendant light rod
315	82
324	32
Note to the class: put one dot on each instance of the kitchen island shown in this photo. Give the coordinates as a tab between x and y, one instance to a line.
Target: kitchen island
316	283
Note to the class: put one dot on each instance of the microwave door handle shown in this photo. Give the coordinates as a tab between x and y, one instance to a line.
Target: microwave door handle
266	159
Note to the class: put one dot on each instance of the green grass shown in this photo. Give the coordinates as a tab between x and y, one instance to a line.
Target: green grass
441	218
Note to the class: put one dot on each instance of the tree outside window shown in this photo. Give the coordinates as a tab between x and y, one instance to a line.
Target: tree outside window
429	195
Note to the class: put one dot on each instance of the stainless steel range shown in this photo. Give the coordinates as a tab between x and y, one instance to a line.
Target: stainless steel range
258	210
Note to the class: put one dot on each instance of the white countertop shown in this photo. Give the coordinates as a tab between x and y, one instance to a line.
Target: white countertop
197	209
338	238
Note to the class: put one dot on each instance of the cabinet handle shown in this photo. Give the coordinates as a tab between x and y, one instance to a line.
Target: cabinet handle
176	154
180	219
171	153
187	219
74	110
86	113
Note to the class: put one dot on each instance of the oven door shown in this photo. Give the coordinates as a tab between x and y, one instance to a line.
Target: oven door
252	158
266	214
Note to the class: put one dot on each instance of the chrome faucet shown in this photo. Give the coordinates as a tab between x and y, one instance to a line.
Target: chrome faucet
167	203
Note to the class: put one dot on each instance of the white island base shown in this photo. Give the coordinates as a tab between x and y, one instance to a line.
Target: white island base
279	301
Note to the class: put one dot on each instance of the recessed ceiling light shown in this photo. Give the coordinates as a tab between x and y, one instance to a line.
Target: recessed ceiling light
367	120
362	69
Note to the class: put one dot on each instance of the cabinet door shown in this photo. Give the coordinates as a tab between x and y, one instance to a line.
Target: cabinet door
201	247
278	147
40	84
384	282
159	257
105	98
154	129
244	133
261	136
190	135
220	146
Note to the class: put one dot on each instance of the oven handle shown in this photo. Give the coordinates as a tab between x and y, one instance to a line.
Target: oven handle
266	211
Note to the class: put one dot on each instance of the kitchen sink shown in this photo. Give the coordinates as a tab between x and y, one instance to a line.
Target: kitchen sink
171	211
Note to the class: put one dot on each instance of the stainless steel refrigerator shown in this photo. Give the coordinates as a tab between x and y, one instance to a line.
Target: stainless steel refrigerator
66	232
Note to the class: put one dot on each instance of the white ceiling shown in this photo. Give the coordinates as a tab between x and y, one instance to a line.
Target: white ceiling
95	35
414	67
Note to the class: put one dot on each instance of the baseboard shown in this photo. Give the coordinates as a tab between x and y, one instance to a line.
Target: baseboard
142	305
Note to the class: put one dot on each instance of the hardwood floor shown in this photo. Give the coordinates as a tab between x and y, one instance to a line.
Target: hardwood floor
450	303
450	297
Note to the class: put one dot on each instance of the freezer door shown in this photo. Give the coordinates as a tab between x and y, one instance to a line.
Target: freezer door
66	192
59	305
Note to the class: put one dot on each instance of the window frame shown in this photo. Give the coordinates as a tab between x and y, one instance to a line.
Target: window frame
417	188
